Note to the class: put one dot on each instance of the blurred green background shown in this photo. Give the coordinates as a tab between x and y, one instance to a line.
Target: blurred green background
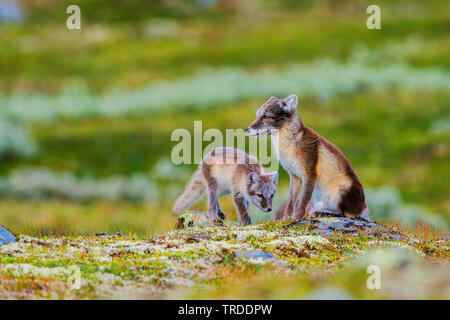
86	115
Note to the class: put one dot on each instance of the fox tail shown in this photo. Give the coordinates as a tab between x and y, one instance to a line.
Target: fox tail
195	190
364	214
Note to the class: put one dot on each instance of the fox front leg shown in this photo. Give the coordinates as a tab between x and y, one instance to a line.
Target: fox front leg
220	212
242	207
305	198
294	188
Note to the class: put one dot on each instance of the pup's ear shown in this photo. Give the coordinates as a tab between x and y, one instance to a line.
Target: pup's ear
252	178
290	103
274	177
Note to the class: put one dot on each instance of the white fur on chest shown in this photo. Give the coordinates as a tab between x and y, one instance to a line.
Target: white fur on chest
293	166
287	159
275	137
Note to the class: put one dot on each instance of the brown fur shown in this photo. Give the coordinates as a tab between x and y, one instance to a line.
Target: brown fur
309	160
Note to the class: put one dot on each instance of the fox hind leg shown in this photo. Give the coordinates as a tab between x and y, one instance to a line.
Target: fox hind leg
213	204
213	195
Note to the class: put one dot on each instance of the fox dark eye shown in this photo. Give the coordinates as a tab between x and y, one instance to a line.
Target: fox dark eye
260	195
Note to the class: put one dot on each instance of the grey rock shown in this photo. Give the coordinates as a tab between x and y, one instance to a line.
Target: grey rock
104	235
326	233
395	237
257	254
6	236
328	226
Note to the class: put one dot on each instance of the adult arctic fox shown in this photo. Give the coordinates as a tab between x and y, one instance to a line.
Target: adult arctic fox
328	181
226	171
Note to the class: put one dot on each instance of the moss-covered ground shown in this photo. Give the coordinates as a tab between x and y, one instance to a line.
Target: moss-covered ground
271	260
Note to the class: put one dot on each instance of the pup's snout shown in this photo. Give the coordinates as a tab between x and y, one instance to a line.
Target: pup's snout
269	209
247	129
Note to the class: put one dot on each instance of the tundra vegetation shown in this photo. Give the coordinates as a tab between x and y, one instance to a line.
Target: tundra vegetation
86	118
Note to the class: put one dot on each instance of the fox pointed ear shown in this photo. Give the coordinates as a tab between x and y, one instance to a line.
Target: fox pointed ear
252	178
274	177
290	103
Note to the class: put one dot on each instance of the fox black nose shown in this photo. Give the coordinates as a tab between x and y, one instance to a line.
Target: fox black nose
247	129
269	209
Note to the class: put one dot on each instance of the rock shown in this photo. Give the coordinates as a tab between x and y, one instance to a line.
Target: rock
198	219
104	235
6	236
395	237
192	219
256	254
327	226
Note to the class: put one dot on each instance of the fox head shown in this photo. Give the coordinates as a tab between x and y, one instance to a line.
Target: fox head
261	188
272	115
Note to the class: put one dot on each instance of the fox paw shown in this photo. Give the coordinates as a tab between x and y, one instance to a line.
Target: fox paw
246	220
276	217
222	215
217	222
